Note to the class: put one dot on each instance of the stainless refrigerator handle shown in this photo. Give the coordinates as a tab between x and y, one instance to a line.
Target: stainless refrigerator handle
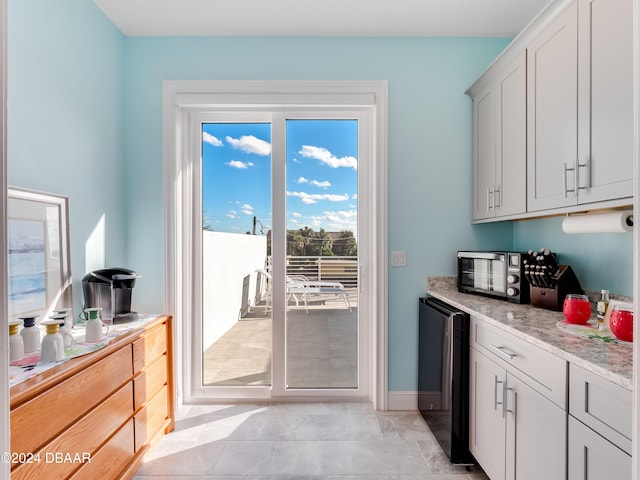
447	362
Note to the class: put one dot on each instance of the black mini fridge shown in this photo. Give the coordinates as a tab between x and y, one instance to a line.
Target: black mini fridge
443	376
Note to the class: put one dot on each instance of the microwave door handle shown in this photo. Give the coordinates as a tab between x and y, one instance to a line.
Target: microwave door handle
481	255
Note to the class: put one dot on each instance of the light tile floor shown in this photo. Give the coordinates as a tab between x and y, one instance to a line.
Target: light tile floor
308	441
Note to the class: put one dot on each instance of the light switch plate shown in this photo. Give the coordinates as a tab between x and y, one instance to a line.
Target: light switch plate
399	258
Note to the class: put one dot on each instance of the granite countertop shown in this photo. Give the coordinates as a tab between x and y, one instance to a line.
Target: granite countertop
538	326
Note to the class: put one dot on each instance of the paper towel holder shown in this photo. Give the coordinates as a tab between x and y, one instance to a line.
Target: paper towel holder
614	221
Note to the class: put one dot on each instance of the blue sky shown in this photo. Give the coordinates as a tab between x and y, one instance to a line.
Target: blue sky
321	175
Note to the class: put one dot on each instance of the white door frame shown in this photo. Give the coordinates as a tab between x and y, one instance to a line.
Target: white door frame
4	336
182	97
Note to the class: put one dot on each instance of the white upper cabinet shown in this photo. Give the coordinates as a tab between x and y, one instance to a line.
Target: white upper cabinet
605	99
552	121
484	153
511	157
553	115
500	154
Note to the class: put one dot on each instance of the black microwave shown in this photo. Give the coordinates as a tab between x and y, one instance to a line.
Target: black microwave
495	274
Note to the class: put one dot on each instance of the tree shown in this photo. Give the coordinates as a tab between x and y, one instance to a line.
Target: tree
346	244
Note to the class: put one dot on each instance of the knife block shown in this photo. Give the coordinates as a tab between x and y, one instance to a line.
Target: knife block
565	282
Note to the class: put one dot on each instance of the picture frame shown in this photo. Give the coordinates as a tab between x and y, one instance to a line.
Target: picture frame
38	259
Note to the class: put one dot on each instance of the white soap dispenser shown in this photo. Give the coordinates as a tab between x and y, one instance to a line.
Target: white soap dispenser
16	345
30	334
52	344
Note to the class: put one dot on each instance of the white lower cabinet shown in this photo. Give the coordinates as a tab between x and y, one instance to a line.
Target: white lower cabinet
515	432
599	427
593	457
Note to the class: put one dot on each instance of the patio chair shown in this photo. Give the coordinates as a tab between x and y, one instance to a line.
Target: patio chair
299	285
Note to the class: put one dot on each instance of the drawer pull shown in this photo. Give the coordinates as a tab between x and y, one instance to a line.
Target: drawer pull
503	352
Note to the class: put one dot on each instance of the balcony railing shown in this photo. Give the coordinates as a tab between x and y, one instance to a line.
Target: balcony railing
335	269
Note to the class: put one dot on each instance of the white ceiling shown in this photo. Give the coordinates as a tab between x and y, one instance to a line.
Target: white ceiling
492	18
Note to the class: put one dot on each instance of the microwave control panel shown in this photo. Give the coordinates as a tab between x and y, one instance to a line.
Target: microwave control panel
517	285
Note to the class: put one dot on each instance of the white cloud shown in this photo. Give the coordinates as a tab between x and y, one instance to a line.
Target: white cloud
323	184
250	144
325	156
310	198
232	214
239	165
247	209
211	140
341	215
296	214
293	220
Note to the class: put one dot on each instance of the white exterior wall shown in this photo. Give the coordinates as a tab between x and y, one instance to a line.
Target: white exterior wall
227	259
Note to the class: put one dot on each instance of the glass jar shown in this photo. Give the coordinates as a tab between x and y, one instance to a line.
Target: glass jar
577	308
621	321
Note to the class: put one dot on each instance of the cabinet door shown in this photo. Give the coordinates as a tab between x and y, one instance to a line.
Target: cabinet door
605	99
511	157
592	457
484	153
552	62
536	434
486	414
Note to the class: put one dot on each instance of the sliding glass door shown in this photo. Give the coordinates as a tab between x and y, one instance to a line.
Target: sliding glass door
278	278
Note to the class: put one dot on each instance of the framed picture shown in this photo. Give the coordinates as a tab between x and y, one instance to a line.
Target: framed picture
39	271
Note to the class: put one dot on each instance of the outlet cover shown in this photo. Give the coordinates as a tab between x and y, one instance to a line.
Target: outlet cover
399	258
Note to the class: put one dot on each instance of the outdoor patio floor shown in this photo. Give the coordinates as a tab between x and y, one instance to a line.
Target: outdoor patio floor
321	347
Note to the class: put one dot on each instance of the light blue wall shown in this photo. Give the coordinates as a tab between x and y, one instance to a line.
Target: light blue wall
599	260
85	120
429	147
65	117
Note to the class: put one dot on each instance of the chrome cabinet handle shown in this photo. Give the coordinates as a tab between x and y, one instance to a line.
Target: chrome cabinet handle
503	352
515	402
586	165
496	403
496	197
565	181
490	199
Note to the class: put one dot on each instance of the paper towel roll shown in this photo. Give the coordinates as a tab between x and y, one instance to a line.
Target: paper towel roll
609	222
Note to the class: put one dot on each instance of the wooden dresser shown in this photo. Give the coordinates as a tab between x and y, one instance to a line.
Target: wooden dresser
97	415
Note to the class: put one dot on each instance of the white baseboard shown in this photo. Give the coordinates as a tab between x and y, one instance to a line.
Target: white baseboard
402	400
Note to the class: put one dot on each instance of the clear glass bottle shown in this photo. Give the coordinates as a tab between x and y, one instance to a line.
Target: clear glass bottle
601	308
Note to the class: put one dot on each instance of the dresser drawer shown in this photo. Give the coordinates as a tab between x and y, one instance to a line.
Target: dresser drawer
545	371
601	405
151	419
149	381
112	458
81	439
149	347
37	421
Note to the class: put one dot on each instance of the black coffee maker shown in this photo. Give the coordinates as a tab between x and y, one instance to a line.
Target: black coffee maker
110	289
